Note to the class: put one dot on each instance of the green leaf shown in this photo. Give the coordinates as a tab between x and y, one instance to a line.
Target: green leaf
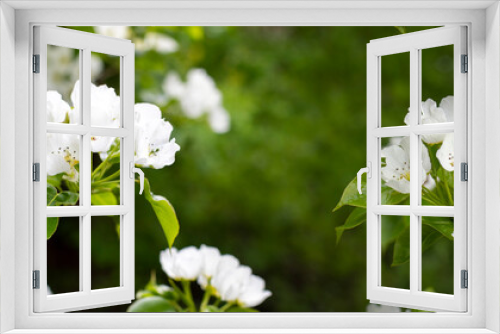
392	228
52	223
356	218
164	212
103	198
441	224
151	304
241	309
351	197
67	198
401	253
429	239
51	195
54	180
390	196
402	30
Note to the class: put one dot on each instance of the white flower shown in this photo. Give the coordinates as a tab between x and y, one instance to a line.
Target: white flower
104	112
181	265
431	114
240	286
210	261
446	153
230	284
63	154
396	172
114	31
57	108
153	147
219	120
158	42
198	96
254	293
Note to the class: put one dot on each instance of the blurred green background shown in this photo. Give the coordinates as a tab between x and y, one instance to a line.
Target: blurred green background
265	190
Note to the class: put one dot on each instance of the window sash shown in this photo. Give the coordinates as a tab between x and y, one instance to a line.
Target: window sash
414	297
86	297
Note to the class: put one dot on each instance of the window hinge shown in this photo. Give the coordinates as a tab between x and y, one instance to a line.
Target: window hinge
465	64
465	279
36	172
36	279
36	63
464	171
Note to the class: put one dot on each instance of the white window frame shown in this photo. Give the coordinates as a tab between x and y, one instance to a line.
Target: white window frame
483	21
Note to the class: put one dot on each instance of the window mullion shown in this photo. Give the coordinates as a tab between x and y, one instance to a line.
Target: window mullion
86	168
414	172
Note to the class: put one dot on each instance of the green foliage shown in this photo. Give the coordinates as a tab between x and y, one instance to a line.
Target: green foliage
165	213
103	198
152	304
52	223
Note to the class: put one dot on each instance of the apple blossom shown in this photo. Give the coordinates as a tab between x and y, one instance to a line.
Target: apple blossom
254	292
157	42
63	154
396	172
184	264
57	108
446	153
153	146
431	113
198	96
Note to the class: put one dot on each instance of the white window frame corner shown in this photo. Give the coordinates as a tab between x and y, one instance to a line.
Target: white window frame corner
483	20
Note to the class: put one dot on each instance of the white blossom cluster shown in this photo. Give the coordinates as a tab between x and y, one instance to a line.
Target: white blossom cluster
158	42
198	96
396	172
153	146
230	281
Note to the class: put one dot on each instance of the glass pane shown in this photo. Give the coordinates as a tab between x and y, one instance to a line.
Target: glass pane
437	254
105	253
105	91
105	170
395	242
437	85
63	254
437	169
63	67
395	94
63	166
395	171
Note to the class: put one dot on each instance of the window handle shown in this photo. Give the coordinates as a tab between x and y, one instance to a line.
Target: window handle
368	171
134	170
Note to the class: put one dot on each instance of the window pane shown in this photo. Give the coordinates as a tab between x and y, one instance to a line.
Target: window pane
63	67
63	254
105	91
395	243
437	254
63	167
105	253
395	171
105	170
437	169
395	94
437	85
